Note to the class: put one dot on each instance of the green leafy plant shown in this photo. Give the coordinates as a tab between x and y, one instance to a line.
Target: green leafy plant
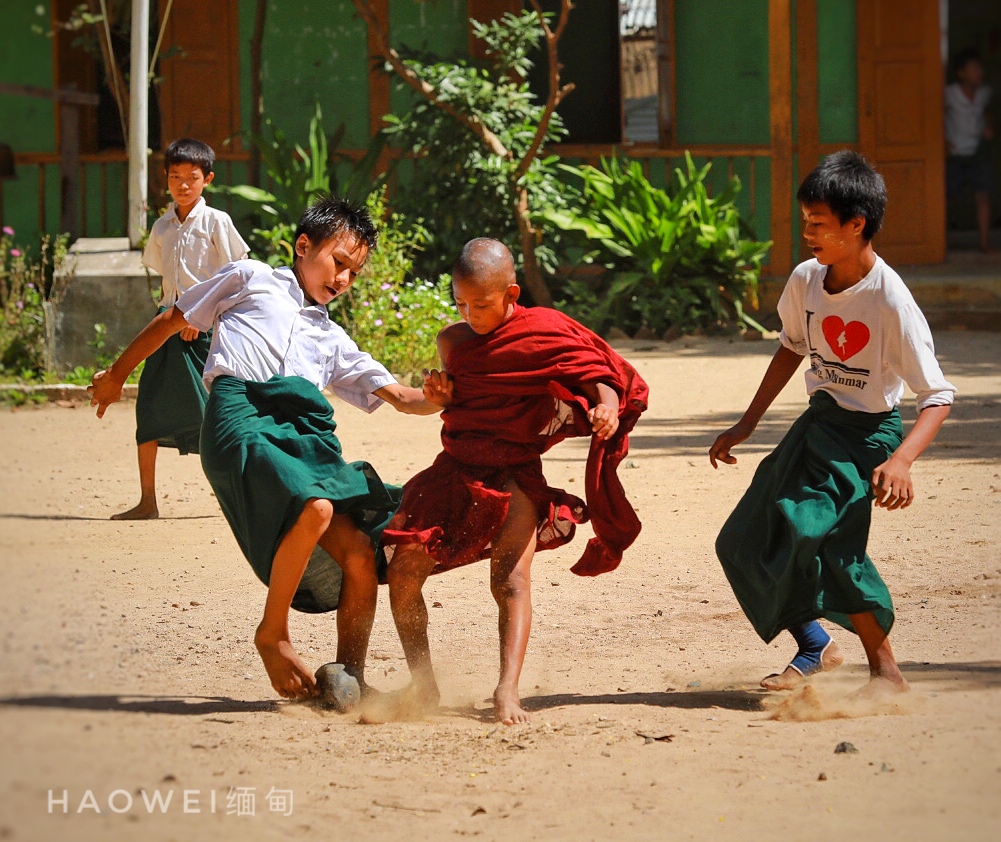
476	141
392	316
678	258
27	282
297	175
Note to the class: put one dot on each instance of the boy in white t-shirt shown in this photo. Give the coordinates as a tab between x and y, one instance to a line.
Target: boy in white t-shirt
968	136
189	243
268	445
794	549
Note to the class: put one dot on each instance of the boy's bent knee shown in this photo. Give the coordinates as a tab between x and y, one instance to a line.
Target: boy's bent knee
317	511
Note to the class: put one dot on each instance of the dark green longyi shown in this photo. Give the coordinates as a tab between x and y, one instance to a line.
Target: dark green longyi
794	548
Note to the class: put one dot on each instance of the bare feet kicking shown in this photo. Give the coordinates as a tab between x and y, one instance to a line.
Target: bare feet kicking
507	707
831	658
144	511
881	688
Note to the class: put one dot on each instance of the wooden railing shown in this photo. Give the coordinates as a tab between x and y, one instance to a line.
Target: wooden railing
103	177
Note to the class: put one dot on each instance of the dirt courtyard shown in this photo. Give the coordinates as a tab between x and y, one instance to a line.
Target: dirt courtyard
128	675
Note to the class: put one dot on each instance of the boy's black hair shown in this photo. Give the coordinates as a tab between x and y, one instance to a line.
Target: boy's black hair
328	217
964	57
187	150
850	187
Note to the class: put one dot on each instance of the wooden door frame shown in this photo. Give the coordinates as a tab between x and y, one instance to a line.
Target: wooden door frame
934	187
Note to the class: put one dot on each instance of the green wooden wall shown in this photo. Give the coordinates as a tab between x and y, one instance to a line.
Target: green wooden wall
26	123
316	50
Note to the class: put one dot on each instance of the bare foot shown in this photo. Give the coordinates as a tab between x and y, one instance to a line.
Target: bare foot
144	511
881	688
832	658
290	677
507	707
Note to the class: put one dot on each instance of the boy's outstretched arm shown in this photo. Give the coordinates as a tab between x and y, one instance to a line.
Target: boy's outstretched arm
782	367
426	401
891	481
106	386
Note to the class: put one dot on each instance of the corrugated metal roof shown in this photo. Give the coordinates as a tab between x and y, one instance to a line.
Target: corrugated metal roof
637	15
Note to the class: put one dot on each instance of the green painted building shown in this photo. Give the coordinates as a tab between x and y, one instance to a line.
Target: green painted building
763	88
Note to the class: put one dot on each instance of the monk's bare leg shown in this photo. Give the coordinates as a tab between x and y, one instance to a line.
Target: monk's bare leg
352	550
885	675
406	574
147	509
289	675
510	584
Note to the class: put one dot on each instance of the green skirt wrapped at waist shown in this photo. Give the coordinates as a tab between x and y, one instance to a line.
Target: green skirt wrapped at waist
268	448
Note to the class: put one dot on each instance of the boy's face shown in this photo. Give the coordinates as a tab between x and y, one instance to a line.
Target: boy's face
328	268
829	239
186	182
971	73
484	305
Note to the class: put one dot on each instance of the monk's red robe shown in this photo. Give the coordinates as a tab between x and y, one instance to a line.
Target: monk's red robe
517	392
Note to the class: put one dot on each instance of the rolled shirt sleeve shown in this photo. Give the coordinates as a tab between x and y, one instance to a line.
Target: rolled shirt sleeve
911	353
354	376
228	242
203	303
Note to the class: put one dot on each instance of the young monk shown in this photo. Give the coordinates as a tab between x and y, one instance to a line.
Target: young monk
268	445
520	381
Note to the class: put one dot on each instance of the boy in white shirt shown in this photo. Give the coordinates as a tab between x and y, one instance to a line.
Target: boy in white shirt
968	136
189	243
268	445
794	549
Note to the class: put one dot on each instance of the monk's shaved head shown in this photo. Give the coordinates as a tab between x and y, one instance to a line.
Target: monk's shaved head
487	263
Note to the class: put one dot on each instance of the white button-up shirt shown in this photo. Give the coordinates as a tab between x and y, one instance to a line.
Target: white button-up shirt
184	253
264	327
964	118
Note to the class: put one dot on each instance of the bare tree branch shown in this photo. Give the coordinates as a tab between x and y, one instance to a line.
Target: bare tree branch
527	234
116	82
556	93
477	127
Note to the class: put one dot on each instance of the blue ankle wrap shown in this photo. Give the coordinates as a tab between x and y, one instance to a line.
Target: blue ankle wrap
812	640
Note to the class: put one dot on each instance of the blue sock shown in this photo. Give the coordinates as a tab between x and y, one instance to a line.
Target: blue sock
812	640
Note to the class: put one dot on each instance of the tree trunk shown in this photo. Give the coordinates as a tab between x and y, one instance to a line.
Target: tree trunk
534	282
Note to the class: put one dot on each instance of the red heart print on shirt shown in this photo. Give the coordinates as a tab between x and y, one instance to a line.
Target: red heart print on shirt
846	340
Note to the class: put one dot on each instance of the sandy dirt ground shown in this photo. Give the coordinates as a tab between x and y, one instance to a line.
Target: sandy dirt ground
127	669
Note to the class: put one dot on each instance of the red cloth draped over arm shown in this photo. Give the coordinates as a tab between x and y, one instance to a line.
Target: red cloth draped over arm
518	392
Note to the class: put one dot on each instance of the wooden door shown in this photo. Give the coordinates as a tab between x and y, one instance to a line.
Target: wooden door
900	123
200	95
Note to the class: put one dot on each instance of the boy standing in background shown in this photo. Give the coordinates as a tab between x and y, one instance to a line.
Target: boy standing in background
191	242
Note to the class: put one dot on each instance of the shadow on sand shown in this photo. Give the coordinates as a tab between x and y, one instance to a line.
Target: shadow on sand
173	705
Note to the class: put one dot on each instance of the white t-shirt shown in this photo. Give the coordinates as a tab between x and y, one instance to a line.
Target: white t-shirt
864	343
184	253
964	118
263	327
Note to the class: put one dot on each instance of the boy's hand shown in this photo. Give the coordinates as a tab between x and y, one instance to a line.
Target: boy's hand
891	482
104	390
725	441
189	334
438	388
604	421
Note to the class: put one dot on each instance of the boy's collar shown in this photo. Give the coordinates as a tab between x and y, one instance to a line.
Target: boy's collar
196	210
288	274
